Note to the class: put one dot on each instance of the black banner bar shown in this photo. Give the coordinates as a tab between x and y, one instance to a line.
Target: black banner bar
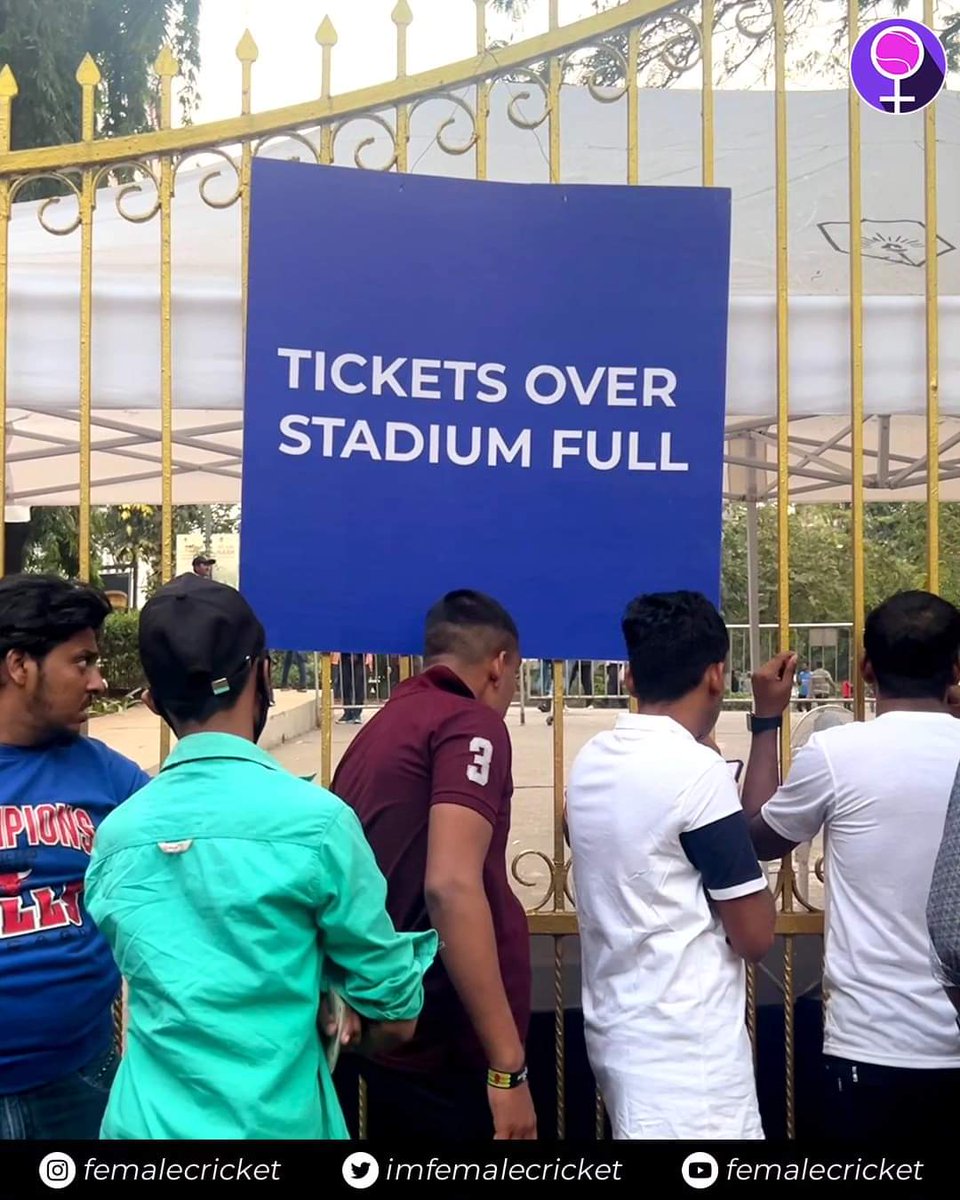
31	1170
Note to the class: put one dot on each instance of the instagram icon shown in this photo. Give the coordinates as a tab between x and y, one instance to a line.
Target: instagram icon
57	1171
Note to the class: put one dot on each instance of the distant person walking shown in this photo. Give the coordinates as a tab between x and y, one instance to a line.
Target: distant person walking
804	688
822	684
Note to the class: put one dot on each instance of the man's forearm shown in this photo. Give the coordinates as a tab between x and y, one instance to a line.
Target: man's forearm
763	772
461	916
380	1037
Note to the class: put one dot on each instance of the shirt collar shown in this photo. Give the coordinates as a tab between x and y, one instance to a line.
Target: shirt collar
635	723
439	677
198	747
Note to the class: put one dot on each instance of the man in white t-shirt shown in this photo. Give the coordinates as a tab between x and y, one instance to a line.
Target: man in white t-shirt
670	896
880	790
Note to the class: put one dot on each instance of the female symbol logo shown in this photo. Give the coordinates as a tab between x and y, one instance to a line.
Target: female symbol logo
897	53
892	52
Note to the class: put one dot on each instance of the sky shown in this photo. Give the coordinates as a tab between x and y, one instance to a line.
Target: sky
288	69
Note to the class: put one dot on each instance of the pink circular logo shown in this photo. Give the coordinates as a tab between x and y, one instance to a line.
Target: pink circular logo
897	53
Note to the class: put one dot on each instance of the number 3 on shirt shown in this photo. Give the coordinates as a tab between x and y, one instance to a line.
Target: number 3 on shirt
479	770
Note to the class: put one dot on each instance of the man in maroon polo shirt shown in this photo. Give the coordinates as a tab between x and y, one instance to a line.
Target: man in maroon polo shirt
430	779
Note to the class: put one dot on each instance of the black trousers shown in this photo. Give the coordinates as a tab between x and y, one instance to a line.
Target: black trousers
865	1102
351	682
443	1108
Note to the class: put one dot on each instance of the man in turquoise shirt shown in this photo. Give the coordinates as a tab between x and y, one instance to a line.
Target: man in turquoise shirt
233	895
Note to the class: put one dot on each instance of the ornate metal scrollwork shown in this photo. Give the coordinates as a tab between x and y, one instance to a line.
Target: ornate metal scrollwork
513	112
682	46
750	11
607	71
130	189
299	138
366	142
464	107
62	179
558	876
214	173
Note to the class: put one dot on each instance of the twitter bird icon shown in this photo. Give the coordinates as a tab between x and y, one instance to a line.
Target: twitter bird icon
360	1170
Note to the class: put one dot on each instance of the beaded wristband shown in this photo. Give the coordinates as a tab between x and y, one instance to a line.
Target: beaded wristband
507	1080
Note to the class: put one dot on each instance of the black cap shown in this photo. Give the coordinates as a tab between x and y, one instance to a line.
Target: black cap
203	560
197	639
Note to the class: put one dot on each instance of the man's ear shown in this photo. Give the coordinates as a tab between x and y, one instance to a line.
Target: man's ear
13	667
717	679
148	700
498	667
628	681
866	670
266	674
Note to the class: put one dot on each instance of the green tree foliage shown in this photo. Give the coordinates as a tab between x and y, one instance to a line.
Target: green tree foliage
43	41
821	558
128	535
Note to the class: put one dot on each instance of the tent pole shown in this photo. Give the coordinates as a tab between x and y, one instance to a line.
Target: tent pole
753	565
753	584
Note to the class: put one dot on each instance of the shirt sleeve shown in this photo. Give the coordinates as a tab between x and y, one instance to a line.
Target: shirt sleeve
943	907
805	801
715	837
472	762
127	777
378	971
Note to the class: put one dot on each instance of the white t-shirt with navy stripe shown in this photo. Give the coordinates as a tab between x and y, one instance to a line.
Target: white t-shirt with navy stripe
657	831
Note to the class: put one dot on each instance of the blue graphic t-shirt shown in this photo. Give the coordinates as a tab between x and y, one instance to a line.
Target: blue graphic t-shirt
57	975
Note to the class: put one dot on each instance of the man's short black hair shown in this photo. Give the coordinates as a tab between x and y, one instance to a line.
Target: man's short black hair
672	638
912	642
469	626
40	612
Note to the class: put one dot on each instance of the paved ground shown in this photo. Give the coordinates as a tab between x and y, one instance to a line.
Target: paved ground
136	733
533	813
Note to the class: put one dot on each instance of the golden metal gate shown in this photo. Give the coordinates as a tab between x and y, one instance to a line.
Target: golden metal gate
602	54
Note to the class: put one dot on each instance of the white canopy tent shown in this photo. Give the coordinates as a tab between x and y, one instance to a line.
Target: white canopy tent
43	355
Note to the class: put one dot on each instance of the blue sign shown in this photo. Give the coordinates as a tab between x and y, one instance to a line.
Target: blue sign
453	384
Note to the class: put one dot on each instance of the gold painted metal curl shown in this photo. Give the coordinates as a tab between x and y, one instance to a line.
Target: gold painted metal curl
132	188
603	92
795	893
465	107
749	11
55	177
558	874
212	174
299	138
513	112
385	125
674	37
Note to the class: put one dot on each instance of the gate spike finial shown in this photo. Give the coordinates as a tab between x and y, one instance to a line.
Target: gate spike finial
166	65
247	49
88	73
327	34
402	15
8	83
